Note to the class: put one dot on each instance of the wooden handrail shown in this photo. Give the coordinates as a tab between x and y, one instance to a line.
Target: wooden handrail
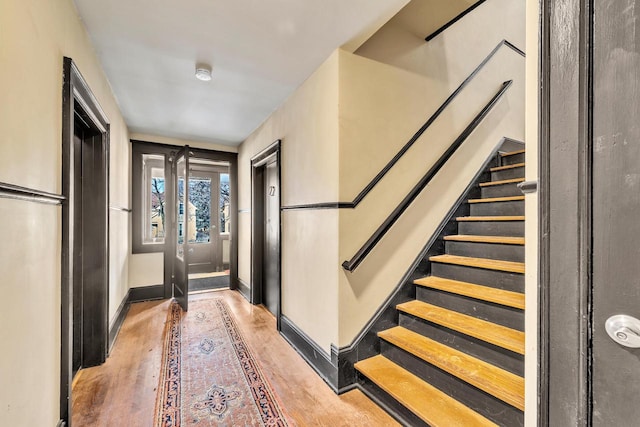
376	179
362	253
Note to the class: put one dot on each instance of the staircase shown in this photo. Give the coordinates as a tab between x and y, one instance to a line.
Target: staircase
456	356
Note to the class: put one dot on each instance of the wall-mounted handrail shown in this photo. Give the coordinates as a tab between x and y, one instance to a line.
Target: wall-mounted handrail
376	179
355	261
12	191
454	20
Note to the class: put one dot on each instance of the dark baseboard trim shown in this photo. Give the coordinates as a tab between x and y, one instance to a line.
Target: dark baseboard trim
121	313
244	289
146	293
310	352
366	344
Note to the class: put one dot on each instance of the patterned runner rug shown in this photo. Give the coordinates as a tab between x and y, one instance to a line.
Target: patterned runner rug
209	376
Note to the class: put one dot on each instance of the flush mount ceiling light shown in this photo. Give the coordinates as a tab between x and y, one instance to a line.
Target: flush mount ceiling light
203	72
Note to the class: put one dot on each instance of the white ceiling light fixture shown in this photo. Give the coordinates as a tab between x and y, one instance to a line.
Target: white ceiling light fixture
203	72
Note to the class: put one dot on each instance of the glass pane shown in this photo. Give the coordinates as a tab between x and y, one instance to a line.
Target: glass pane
181	172
199	210
225	219
154	203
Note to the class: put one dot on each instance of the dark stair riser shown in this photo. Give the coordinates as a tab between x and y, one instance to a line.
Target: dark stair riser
505	359
489	406
513	159
497	208
492	228
403	415
496	313
507	174
486	250
501	190
480	276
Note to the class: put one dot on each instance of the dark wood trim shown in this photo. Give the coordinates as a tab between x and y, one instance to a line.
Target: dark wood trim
146	293
315	356
366	343
12	191
565	216
454	20
121	314
544	209
368	246
244	289
77	97
375	180
258	162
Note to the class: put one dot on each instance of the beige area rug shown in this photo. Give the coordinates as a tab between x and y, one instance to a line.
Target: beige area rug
209	376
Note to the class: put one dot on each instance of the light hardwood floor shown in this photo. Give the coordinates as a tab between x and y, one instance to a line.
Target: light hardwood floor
122	392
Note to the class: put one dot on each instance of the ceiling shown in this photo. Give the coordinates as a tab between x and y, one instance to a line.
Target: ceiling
260	50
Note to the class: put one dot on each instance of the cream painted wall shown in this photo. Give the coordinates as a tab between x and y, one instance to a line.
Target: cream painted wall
381	107
148	269
307	123
451	56
531	214
34	37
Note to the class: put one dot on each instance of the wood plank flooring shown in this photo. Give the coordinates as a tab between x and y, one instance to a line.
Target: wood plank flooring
122	392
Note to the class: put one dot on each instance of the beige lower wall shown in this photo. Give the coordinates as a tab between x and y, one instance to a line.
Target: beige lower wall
30	317
35	35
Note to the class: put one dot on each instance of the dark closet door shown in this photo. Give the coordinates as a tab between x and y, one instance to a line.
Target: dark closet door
616	212
271	273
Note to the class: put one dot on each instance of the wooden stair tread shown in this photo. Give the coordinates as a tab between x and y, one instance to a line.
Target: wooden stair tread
489	378
471	290
497	199
501	168
502	240
488	264
490	218
430	404
503	182
512	153
492	333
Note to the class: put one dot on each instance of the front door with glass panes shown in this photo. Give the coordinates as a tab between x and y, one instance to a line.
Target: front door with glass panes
208	241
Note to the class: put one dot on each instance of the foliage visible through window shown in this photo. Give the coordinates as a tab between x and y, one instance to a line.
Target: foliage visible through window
199	210
225	220
155	198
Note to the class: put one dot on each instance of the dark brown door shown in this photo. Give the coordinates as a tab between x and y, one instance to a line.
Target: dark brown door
616	210
271	250
185	228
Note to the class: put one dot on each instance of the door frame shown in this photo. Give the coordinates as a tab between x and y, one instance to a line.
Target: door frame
258	163
565	213
77	95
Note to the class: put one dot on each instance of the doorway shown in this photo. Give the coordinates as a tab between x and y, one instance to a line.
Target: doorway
209	242
85	231
266	230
